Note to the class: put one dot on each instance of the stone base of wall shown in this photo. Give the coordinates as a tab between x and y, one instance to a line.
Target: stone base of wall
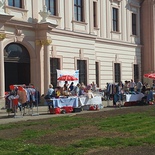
2	103
42	101
107	103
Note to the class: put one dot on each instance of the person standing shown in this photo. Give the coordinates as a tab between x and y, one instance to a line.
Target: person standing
139	86
50	91
76	90
132	85
65	87
94	86
120	93
71	87
126	87
115	94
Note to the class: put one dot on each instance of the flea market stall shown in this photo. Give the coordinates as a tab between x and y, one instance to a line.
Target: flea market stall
23	98
133	98
86	102
72	99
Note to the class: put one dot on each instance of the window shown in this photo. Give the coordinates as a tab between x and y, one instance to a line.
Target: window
51	6
82	67
117	72
78	10
15	3
54	65
115	19
134	24
95	13
136	72
97	73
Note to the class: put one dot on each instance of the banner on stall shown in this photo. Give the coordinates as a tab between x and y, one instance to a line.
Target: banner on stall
74	73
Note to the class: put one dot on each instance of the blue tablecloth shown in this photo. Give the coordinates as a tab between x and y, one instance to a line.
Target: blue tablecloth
61	102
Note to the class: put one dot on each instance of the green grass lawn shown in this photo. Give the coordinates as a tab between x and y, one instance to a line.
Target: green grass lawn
134	129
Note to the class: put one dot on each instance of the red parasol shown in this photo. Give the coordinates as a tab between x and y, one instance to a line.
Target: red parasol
150	75
67	78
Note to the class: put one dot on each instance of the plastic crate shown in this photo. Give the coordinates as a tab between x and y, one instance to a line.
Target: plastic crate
55	111
68	109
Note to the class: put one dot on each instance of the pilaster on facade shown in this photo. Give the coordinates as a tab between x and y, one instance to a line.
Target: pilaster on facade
108	20
91	26
41	70
47	80
68	14
123	24
2	76
128	28
102	19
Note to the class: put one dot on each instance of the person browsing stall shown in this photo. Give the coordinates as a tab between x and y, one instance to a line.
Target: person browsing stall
132	85
139	86
66	85
94	86
71	87
76	90
50	91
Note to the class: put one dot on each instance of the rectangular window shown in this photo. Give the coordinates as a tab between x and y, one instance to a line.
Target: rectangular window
117	72
82	67
136	72
95	13
15	3
78	10
54	65
51	6
97	73
134	24
115	19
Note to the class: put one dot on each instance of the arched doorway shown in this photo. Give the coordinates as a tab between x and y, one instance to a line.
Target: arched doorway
16	64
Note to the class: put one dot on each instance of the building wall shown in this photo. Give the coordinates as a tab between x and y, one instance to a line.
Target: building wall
72	40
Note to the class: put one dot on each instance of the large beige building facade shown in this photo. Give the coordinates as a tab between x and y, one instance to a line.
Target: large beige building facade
100	38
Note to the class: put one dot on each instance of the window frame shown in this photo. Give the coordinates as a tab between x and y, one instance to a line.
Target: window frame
134	23
53	70
115	19
117	72
78	15
14	2
97	71
50	8
136	72
82	73
95	14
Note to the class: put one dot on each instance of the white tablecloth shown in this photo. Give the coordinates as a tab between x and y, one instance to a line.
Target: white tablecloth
89	101
61	102
134	97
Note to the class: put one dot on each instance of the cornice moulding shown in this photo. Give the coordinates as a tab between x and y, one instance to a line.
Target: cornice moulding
118	43
5	17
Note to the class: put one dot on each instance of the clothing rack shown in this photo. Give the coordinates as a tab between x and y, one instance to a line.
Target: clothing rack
12	106
31	97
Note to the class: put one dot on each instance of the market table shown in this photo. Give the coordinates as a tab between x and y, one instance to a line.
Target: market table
84	100
134	97
61	102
